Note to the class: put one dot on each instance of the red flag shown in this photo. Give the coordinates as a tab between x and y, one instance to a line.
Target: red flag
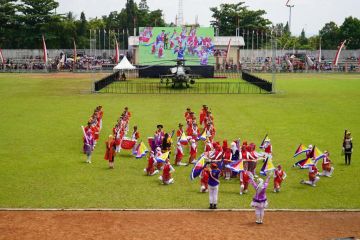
336	59
45	50
116	52
75	53
2	59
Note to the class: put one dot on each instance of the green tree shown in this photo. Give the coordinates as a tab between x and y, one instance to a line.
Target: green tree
286	29
156	19
82	32
131	10
38	17
303	39
314	42
228	17
143	14
329	36
8	22
350	31
143	6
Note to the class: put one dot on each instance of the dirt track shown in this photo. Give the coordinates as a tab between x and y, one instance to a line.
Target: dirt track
176	225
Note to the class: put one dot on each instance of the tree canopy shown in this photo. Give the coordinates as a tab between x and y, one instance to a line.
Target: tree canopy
24	21
228	17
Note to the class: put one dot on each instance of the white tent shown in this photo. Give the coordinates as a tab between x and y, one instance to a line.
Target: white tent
124	64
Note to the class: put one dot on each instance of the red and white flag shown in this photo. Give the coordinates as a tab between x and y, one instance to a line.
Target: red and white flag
336	59
75	53
2	59
45	50
117	56
228	50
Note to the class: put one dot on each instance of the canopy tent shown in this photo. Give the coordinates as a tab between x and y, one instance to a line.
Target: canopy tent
124	65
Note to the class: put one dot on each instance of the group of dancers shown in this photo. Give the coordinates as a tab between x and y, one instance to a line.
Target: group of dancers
119	131
313	155
220	160
91	132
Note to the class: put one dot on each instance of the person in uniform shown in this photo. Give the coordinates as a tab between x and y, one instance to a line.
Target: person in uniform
187	113
110	151
348	148
193	151
259	201
244	181
166	178
158	153
203	114
234	151
279	176
326	165
179	154
204	179
167	142
227	156
267	147
208	145
252	158
179	132
150	168
313	178
88	146
135	135
213	185
158	136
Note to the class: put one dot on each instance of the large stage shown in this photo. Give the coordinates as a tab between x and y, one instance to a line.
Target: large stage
156	71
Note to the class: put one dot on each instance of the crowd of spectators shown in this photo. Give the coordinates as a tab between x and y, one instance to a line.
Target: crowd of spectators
61	62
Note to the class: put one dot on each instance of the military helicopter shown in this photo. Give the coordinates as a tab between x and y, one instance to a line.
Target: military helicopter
180	76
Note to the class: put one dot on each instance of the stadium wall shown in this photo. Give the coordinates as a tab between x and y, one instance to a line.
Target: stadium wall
244	53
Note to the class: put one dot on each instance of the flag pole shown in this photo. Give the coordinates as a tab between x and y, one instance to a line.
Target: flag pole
109	41
75	55
99	41
104	40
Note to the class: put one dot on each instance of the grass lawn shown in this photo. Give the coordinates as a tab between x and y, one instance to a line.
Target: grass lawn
41	164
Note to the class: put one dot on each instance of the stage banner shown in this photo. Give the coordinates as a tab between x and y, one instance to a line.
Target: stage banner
164	45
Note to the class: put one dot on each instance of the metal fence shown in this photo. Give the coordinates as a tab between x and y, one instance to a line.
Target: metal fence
121	87
98	85
261	83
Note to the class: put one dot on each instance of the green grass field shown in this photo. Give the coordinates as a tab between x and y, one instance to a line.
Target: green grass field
41	164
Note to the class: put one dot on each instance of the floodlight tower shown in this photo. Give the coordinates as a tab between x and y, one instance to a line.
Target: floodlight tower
290	7
180	16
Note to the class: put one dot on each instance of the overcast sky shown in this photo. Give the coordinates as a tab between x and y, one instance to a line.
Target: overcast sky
308	14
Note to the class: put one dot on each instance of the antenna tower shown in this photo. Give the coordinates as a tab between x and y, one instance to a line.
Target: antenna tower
180	16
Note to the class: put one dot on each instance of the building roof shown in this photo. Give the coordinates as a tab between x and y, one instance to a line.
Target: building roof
224	41
124	65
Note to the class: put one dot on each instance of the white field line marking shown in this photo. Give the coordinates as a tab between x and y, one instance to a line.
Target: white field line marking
174	210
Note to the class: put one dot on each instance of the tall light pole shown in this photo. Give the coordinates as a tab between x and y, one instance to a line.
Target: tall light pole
180	14
290	7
